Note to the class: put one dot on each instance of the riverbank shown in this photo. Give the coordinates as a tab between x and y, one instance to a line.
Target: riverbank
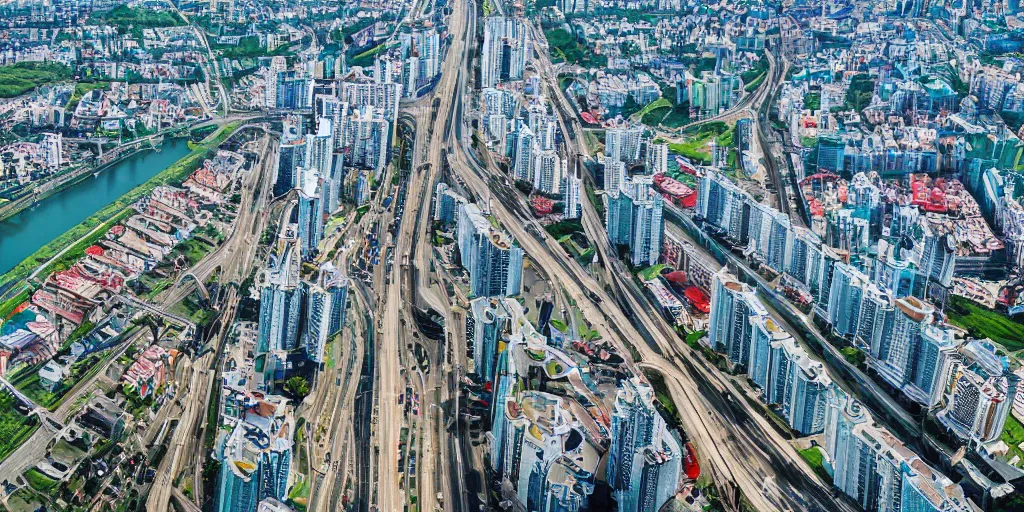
12	208
64	181
77	235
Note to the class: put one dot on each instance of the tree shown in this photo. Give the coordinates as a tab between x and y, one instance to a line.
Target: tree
861	90
155	324
630	107
297	386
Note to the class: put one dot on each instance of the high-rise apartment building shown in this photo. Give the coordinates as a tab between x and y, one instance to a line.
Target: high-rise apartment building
311	213
769	235
490	256
729	326
383	96
326	301
255	456
549	172
571	196
656	158
421	54
635	218
280	301
844	299
277	65
614	176
365	144
797	384
290	158
981	395
484	328
724	206
294	91
644	459
916	357
877	471
623	144
446	203
503	57
523	166
804	258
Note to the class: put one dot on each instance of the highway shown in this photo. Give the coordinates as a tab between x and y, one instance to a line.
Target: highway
854	380
771	148
433	130
737	441
210	62
235	257
740	444
332	406
339	410
743	448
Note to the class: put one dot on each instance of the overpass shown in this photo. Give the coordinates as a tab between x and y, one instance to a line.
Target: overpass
184	503
136	303
200	287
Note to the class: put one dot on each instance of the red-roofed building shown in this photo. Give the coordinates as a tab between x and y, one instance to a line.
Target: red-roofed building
208	184
542	206
62	304
676	191
676	276
698	300
148	372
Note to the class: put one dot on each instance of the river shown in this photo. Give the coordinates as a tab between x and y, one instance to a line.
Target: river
24	233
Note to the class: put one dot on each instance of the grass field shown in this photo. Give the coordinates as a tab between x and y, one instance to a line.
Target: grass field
755	83
249	47
39	481
695	336
14	428
651	272
299	494
816	460
662	394
853	355
7	306
565	48
23	500
22	77
123	17
367	58
698	145
656	104
559	325
81	89
193	250
1013	436
982	322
